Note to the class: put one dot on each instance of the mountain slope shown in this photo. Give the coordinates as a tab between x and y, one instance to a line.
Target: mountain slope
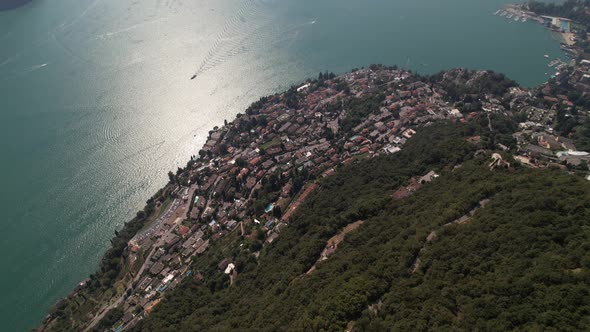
520	262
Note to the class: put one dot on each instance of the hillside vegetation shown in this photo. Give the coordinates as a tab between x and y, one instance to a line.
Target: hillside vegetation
521	262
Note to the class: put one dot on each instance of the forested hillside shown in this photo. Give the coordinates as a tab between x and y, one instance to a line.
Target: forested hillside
519	262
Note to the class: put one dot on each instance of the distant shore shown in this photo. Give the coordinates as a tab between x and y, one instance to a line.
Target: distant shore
12	4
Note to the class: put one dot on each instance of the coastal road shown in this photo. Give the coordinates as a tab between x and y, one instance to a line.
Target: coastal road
177	210
121	299
104	311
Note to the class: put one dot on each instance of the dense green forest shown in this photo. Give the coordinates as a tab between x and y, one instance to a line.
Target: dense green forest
521	262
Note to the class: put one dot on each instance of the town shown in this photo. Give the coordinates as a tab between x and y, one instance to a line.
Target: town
259	165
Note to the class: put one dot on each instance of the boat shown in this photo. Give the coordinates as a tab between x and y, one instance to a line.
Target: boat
497	12
546	56
194	76
516	18
509	16
503	13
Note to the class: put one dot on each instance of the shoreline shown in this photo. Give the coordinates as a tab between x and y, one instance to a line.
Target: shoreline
522	12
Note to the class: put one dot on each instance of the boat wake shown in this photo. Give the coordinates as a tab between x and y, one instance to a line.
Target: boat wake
35	68
238	36
107	35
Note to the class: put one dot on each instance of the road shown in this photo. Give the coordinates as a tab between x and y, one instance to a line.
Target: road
120	300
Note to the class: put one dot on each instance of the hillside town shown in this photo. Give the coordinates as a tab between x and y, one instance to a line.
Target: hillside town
261	164
253	173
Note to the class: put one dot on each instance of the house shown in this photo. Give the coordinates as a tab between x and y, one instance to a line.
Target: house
537	151
213	224
231	224
157	268
250	182
272	237
267	164
128	317
549	142
170	240
391	149
408	133
243	173
374	134
287	189
223	264
455	113
220	187
429	177
201	249
269	224
524	160
230	268
254	161
498	162
183	230
144	283
303	88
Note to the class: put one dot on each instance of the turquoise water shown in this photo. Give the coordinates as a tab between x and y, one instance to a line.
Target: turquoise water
97	105
269	208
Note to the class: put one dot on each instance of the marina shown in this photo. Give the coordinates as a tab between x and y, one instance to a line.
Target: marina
559	25
554	63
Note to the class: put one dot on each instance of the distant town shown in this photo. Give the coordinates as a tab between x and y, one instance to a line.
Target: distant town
276	141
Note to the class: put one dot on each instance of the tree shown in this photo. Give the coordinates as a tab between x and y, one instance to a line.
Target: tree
141	215
277	212
255	246
241	162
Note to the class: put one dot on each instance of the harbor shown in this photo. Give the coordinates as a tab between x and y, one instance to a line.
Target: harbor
559	25
562	27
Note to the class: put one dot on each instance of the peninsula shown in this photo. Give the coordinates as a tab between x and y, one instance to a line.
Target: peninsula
264	207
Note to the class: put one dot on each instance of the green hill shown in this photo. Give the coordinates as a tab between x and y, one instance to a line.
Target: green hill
521	262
